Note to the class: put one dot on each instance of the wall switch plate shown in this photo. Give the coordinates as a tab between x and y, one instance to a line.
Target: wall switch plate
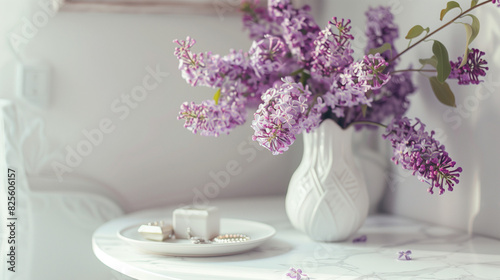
34	83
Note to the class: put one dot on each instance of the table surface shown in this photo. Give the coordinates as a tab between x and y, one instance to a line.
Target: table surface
437	252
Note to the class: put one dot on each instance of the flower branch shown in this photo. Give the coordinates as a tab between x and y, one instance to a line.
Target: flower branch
414	70
439	29
298	74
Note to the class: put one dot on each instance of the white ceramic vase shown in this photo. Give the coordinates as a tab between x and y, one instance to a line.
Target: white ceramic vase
327	197
372	154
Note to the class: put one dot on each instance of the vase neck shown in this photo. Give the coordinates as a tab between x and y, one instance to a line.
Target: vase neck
328	138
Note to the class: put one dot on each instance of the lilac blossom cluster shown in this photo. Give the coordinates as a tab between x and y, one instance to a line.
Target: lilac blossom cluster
497	2
355	83
381	29
210	119
288	43
332	48
470	72
417	150
392	99
235	78
299	29
298	74
268	56
257	21
283	114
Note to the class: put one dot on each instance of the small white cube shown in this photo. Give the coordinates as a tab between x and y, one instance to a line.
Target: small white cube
157	231
202	222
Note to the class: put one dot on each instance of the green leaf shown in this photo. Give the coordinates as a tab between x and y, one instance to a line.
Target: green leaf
449	6
468	34
381	49
475	27
414	32
364	107
217	97
443	62
473	3
429	61
465	58
471	32
443	92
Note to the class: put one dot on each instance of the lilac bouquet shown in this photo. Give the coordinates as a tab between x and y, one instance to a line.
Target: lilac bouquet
297	74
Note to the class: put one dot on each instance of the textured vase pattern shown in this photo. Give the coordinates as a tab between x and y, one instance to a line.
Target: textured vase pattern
327	197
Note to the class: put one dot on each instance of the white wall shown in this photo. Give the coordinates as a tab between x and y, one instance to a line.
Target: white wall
486	118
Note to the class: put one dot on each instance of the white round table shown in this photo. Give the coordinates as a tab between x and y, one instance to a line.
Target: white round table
438	252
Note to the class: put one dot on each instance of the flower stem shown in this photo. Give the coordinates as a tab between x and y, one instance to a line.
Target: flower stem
414	70
437	30
368	123
315	100
296	72
304	77
247	8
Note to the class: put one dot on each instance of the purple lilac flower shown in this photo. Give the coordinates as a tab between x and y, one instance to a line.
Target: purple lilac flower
207	69
389	101
373	71
296	274
366	74
285	112
356	81
360	239
278	9
392	99
299	29
471	71
332	51
496	1
239	75
235	63
198	69
381	29
257	20
405	254
234	70
268	55
417	150
212	119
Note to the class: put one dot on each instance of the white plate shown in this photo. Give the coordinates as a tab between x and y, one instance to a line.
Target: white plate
258	233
